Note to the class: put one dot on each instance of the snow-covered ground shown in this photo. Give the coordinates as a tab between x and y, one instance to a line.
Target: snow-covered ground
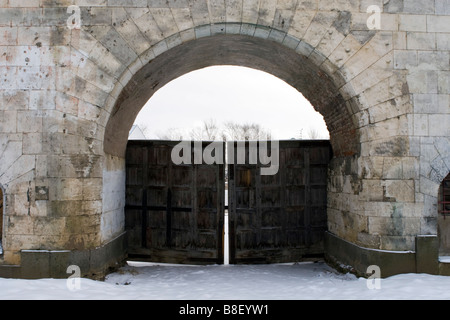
232	282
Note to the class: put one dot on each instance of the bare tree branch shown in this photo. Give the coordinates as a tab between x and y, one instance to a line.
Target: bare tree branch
171	134
313	134
230	131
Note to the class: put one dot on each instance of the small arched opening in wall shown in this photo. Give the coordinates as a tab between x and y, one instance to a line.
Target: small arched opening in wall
444	217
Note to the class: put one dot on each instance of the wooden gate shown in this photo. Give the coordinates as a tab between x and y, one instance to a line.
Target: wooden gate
173	213
282	217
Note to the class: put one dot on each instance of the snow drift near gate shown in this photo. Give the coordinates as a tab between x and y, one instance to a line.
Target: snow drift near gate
234	282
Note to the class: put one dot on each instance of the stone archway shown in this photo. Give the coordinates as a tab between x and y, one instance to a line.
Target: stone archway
240	50
273	57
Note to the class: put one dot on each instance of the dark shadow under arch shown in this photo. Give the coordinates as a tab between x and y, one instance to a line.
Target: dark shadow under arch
256	53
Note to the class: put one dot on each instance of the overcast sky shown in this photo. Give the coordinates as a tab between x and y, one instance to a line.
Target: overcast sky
227	93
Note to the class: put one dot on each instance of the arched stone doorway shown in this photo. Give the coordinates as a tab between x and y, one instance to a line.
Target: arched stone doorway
284	62
353	177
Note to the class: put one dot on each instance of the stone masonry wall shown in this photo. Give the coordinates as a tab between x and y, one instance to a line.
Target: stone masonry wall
60	89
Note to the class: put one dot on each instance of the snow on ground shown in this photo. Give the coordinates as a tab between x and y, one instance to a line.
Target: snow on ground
232	282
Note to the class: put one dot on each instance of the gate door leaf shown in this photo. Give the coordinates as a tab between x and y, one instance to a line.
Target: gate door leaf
174	212
282	217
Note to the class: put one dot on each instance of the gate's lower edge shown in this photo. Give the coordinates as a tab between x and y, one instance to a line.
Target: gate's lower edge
285	255
200	257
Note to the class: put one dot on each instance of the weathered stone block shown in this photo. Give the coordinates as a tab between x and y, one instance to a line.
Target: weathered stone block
427	254
399	40
32	143
348	5
418	6
8	123
433	60
405	59
339	251
164	19
399	190
393	6
128	3
300	23
421	41
423	81
437	123
66	189
421	124
443	41
438	23
183	18
318	27
36	264
410	168
444	82
442	7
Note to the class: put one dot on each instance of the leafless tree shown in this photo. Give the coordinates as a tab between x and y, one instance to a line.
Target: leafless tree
247	131
209	130
171	134
313	134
